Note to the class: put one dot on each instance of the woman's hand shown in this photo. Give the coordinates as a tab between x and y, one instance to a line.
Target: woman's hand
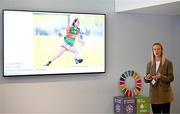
157	76
148	77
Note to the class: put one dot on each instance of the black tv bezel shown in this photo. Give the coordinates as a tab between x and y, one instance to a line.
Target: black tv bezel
48	11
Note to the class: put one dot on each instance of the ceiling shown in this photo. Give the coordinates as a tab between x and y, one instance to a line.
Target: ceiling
164	9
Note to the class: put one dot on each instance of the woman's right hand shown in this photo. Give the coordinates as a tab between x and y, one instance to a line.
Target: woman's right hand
148	77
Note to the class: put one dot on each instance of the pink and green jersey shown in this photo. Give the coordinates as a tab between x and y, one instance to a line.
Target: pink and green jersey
71	41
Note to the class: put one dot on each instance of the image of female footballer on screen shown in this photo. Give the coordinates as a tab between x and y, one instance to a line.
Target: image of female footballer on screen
72	34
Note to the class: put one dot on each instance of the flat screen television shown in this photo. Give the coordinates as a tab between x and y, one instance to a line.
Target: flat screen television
48	43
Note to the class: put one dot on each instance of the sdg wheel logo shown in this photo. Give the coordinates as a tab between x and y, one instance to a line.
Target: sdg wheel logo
130	83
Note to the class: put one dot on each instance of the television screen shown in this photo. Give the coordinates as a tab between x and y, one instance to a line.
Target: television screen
45	42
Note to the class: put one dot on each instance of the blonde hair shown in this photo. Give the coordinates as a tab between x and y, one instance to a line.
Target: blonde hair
162	53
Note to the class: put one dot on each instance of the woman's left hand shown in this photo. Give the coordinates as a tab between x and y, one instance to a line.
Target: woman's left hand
158	76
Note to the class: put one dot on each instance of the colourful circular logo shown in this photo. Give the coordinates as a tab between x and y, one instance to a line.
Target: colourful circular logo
133	91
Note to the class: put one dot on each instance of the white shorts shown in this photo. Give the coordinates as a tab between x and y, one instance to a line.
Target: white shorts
66	46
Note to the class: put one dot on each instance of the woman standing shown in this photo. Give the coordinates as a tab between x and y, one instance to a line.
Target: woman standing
159	74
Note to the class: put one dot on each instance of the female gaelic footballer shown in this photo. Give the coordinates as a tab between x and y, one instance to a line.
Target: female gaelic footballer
72	33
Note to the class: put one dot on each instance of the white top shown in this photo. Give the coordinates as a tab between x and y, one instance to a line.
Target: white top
157	65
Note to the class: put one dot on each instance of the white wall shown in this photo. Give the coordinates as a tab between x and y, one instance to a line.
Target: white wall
177	62
128	43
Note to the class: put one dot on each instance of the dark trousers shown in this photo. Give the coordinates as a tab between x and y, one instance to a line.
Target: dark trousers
161	108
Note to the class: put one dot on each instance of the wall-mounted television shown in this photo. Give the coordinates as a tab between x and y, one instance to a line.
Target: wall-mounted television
49	42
